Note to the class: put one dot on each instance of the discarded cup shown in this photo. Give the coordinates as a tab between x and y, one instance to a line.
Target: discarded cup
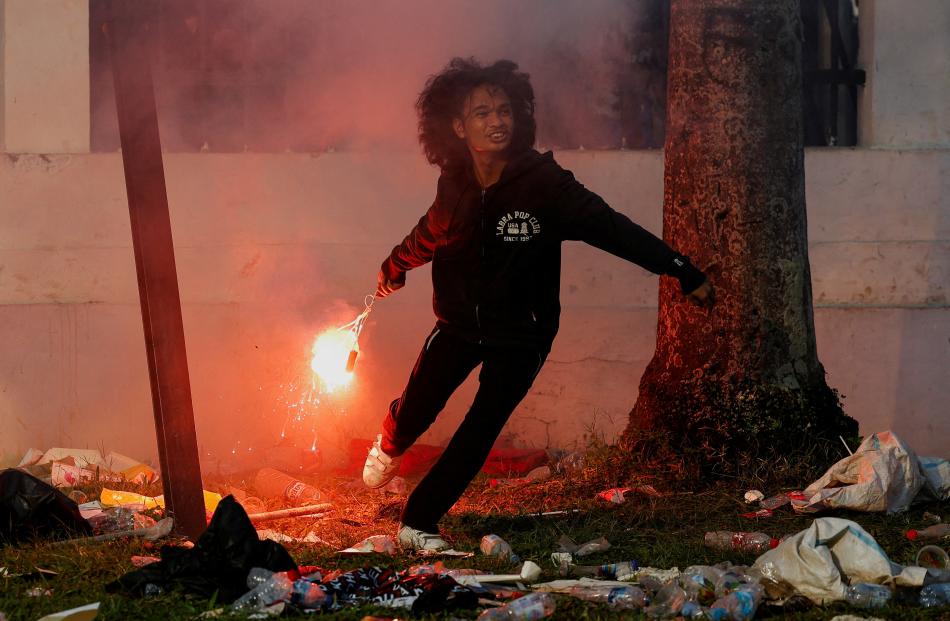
271	483
933	557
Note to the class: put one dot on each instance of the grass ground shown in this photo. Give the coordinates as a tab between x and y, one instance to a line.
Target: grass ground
661	532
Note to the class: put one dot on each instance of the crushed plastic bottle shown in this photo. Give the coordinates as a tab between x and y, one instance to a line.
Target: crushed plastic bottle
527	608
493	545
935	595
275	589
699	582
864	595
756	543
740	605
119	519
669	602
625	597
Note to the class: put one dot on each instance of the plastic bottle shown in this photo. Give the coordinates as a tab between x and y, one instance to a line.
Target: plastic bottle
277	588
864	595
931	533
625	597
493	545
527	608
740	605
740	541
668	602
271	483
935	595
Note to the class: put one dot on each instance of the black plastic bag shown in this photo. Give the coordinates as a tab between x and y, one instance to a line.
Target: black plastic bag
31	509
219	562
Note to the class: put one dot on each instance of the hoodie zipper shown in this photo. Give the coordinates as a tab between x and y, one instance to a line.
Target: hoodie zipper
481	241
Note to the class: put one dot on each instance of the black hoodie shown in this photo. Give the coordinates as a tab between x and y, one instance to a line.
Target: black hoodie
496	254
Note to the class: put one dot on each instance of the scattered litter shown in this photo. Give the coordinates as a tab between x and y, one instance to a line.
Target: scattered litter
760	514
114	498
779	500
118	519
273	535
527	608
755	543
312	537
623	571
493	545
142	561
819	561
38	592
625	597
884	474
375	544
541	473
562	558
450	553
566	544
220	560
931	517
854	618
753	495
29	508
83	613
931	533
530	572
158	530
617	495
935	595
864	595
421	592
932	557
272	483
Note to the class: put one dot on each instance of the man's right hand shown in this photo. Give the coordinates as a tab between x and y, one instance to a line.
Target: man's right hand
384	286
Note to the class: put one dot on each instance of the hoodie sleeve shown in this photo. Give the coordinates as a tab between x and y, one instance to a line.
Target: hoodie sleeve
586	217
418	246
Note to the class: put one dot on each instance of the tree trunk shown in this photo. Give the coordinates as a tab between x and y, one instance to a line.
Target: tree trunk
743	378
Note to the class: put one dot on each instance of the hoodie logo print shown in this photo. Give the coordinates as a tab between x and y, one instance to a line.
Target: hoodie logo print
518	226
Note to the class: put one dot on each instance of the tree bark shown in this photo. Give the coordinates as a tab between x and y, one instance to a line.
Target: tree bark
745	376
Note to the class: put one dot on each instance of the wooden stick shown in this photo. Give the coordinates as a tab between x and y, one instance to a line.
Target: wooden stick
289	513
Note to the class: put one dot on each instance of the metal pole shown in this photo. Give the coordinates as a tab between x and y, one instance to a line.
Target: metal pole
155	264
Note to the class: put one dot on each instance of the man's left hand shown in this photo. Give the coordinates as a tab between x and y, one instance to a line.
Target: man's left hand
704	295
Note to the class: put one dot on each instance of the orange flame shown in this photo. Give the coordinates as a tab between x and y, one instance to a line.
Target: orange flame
331	350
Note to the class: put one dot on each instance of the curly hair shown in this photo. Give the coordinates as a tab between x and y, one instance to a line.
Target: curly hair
443	99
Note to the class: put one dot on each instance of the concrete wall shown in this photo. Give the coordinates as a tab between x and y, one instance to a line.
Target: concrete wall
904	50
273	248
45	76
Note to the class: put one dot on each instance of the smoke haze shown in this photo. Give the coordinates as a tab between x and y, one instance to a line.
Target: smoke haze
299	75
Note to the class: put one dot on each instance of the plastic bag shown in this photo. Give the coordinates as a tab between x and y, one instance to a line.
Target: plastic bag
32	509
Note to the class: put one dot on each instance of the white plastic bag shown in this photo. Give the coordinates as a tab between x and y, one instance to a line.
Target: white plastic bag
820	561
882	475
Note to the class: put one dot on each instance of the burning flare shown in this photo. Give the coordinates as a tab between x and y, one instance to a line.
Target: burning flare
331	351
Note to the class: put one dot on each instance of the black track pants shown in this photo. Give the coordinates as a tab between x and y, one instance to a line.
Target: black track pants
506	375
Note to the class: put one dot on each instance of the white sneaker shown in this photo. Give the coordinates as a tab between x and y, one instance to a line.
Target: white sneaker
418	541
379	468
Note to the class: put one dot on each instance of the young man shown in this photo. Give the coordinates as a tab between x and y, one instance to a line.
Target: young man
494	237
